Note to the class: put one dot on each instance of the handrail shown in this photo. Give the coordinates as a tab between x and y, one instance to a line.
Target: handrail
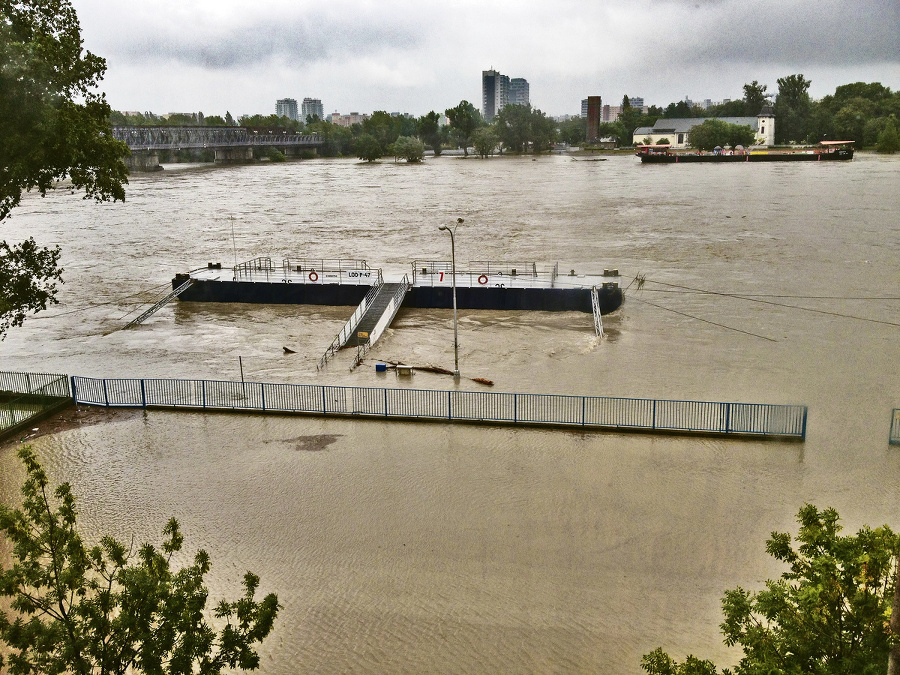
395	302
566	411
347	331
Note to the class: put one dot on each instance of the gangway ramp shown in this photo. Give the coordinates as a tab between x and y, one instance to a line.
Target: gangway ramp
379	314
156	306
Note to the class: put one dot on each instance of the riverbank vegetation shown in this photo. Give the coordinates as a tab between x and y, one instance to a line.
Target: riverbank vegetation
835	610
111	608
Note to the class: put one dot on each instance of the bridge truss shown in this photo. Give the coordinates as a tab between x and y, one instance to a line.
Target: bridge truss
178	138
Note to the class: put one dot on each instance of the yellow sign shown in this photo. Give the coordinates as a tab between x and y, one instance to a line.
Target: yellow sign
362	334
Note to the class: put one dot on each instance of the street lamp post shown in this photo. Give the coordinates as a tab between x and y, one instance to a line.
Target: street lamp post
452	232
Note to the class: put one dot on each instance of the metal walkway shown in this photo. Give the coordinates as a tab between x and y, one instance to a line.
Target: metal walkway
381	304
595	307
174	294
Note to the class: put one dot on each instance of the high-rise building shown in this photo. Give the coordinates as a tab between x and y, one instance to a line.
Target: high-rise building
594	114
636	101
519	91
584	108
494	93
311	107
286	107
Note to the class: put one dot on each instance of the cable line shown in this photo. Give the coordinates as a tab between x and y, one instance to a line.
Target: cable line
777	304
720	325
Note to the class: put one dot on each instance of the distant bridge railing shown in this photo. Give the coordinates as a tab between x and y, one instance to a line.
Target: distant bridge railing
787	421
179	138
25	397
895	427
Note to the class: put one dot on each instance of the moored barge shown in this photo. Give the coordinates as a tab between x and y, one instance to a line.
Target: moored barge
827	151
480	285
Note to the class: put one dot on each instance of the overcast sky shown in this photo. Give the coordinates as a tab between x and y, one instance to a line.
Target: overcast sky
417	55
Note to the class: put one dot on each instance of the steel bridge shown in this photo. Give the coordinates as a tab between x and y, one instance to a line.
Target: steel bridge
182	138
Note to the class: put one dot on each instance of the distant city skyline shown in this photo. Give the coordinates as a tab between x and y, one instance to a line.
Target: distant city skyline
220	56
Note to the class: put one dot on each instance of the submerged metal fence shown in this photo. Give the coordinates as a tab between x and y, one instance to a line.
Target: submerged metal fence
758	419
895	427
24	396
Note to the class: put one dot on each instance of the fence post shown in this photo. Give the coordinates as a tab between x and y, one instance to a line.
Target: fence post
583	400
449	405
654	413
74	392
727	417
105	393
203	392
324	407
515	408
262	393
385	402
143	395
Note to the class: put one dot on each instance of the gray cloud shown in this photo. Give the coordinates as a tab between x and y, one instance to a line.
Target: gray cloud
808	32
294	40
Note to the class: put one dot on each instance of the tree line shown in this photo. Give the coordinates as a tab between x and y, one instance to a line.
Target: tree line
866	113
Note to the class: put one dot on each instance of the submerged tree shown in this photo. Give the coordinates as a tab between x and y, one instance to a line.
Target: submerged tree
409	148
107	608
464	119
828	614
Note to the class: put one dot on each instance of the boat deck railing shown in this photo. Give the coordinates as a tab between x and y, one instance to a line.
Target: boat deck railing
484	274
294	270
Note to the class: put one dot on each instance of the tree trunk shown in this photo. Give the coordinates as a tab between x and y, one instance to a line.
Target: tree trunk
894	657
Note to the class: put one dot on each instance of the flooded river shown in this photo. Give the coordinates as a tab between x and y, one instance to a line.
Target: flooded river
407	548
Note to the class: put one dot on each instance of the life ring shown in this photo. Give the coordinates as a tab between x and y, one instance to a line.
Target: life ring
313	276
483	279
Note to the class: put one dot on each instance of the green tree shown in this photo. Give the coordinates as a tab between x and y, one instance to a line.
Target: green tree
28	276
464	119
827	614
754	98
713	132
792	109
409	148
850	121
888	139
429	130
513	127
107	608
368	147
543	131
573	131
53	125
485	141
615	130
630	118
229	120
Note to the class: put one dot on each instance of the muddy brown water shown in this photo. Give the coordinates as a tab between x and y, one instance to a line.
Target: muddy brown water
405	548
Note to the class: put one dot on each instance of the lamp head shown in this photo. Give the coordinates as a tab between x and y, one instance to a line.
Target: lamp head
443	227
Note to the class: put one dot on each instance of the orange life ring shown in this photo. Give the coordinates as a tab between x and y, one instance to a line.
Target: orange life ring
313	276
483	279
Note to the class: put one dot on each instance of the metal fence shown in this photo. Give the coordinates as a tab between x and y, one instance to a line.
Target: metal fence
24	396
895	427
508	408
